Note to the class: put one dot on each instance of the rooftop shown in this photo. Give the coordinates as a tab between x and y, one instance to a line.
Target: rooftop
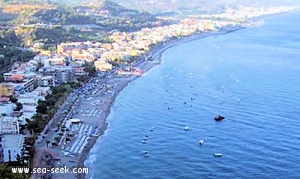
4	99
15	77
8	125
13	140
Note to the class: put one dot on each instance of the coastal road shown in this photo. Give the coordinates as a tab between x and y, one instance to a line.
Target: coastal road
50	134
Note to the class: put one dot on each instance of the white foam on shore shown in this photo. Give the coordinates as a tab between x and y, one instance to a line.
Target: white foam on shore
92	157
144	74
94	151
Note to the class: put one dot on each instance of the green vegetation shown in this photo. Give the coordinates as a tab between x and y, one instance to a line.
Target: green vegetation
22	16
48	142
111	14
19	106
62	15
5	170
9	50
14	100
90	68
46	109
40	22
12	54
5	173
56	35
9	38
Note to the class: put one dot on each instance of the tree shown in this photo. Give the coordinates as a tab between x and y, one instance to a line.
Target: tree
42	107
63	20
47	142
18	158
90	68
51	48
51	112
27	120
18	107
1	78
32	126
13	99
6	172
70	29
30	141
59	125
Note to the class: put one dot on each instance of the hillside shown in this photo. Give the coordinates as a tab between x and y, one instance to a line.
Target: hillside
100	12
50	24
21	13
197	6
43	24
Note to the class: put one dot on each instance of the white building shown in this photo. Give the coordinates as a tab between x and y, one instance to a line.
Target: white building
12	145
6	108
46	81
9	125
30	102
54	61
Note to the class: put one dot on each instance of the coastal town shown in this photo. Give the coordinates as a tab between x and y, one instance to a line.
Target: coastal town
54	106
246	13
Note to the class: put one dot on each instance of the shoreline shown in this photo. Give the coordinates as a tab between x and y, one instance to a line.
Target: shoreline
156	54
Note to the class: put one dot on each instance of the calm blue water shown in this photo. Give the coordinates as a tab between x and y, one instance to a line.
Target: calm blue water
251	76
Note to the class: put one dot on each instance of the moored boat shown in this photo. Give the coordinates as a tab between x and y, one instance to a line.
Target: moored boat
145	152
152	128
186	128
219	118
218	155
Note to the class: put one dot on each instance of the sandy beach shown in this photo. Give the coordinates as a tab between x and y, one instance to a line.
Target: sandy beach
93	108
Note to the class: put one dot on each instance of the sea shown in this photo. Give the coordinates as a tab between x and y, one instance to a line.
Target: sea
250	76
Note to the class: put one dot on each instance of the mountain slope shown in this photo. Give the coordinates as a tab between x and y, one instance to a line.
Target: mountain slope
158	6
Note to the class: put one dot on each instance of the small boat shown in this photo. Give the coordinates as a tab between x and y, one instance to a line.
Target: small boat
218	155
95	135
144	141
145	138
201	142
152	128
219	118
145	152
146	156
186	128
